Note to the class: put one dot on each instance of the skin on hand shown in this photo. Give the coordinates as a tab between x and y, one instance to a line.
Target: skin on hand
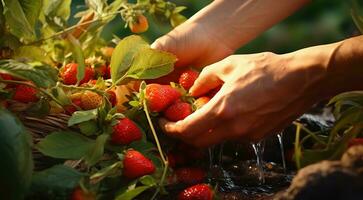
220	28
262	93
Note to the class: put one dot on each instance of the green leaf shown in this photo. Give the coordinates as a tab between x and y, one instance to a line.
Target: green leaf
40	109
176	19
132	193
77	54
32	53
96	152
65	145
16	21
107	171
31	10
16	154
123	55
148	180
88	128
56	182
40	75
82	116
151	64
348	96
56	13
358	19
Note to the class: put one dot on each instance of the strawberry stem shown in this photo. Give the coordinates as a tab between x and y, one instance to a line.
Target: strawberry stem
165	162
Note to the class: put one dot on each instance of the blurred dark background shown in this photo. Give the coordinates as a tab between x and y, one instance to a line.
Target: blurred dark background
319	22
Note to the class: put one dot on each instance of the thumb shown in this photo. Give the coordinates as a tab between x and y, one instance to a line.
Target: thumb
207	80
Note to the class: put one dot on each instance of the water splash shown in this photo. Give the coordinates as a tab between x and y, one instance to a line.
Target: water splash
259	149
282	150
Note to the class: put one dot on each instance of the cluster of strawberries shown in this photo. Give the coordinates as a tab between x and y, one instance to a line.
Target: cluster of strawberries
22	93
167	100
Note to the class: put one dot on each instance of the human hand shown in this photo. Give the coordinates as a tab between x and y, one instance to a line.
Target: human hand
261	94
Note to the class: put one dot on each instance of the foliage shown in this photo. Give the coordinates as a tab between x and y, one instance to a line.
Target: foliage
348	112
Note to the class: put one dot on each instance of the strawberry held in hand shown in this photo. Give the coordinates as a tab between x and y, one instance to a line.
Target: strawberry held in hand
25	94
69	74
160	97
197	192
178	111
125	132
136	165
187	78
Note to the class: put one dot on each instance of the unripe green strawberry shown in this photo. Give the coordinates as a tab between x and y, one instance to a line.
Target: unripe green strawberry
125	132
136	165
187	78
178	111
197	192
69	74
160	97
25	94
90	100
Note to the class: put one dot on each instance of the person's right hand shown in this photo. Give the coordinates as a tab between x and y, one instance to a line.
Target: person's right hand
194	44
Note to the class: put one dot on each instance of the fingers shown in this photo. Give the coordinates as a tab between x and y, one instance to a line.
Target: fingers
207	80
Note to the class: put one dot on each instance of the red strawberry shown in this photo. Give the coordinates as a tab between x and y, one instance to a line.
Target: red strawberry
355	141
6	76
160	97
125	132
90	100
187	78
25	94
112	97
70	109
79	194
214	92
201	101
178	111
69	74
136	165
190	175
197	192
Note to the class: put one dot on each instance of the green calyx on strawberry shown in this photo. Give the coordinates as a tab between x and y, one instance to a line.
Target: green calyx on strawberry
25	94
197	192
178	111
159	97
69	74
125	132
190	175
187	78
136	165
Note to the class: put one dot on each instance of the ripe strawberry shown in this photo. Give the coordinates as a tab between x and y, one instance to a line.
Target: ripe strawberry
70	109
187	78
139	25
201	101
214	92
90	100
6	76
136	165
69	74
112	97
79	194
197	192
355	141
160	97
190	175
25	94
125	132
178	111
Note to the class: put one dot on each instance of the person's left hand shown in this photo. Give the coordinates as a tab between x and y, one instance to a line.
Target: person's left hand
261	94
